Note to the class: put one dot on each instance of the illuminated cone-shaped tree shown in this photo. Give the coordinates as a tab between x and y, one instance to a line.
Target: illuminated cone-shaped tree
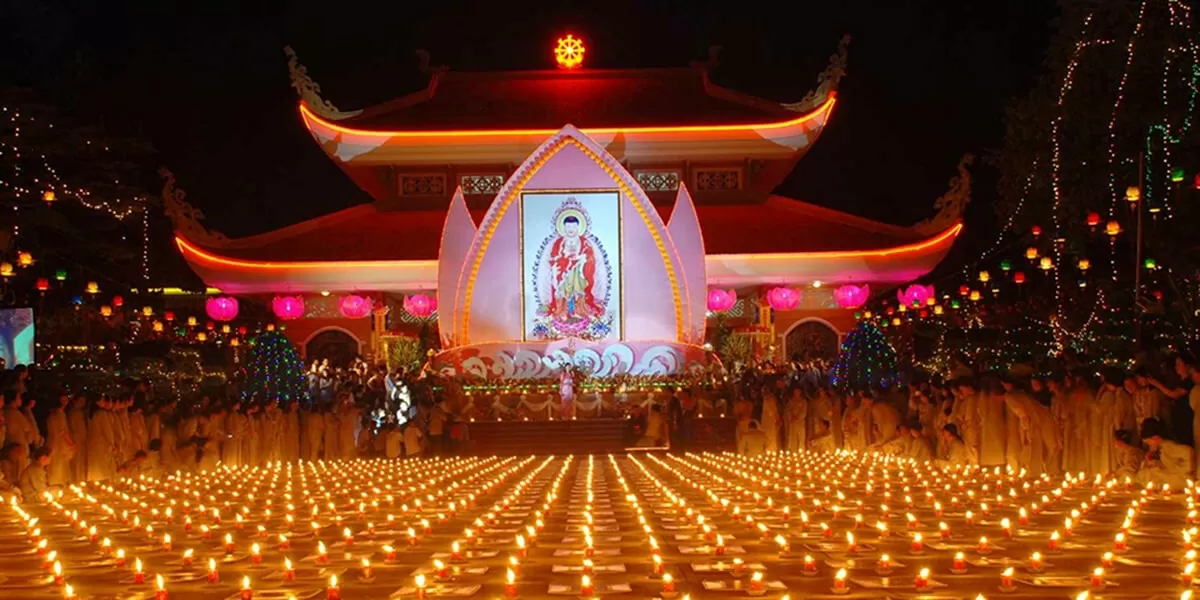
866	360
274	371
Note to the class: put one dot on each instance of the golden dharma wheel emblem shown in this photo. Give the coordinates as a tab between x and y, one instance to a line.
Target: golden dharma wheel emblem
569	52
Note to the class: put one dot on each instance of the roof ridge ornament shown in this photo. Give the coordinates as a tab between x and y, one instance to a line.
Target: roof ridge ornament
827	81
310	91
953	203
184	217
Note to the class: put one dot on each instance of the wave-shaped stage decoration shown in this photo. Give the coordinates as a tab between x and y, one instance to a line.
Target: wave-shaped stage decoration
603	359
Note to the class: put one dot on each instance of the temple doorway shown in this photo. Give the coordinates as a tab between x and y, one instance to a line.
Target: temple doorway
333	344
812	339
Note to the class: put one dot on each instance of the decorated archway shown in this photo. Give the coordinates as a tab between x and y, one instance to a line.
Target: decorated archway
811	339
333	343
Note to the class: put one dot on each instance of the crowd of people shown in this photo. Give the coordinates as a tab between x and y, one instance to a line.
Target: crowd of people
1134	423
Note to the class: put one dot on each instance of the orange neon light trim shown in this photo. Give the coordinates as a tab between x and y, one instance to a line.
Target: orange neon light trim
906	249
188	249
823	110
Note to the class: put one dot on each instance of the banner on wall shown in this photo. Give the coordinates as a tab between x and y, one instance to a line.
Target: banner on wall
571	265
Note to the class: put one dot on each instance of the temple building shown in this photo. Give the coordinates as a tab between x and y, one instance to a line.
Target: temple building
783	272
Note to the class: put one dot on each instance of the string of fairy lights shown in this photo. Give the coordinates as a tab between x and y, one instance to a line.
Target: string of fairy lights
1136	166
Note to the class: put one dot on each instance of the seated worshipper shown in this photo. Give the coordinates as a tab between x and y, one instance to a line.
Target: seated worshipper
393	441
1166	462
656	429
919	446
895	444
822	440
414	440
153	466
133	466
35	478
1126	454
754	441
954	450
10	463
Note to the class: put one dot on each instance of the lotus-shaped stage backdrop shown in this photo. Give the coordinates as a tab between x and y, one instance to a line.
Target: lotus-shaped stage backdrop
571	265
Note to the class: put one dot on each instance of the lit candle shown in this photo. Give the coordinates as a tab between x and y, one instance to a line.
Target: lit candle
657	565
52	557
58	573
851	547
139	574
213	577
922	582
810	566
412	537
521	546
1119	542
960	563
1006	579
229	547
1189	574
514	563
284	542
1097	578
720	549
784	546
366	568
441	570
389	553
455	551
945	530
756	582
589	568
1007	526
333	592
983	547
322	554
160	588
289	573
187	557
255	554
826	532
247	591
1035	562
510	584
739	568
668	584
585	586
1023	516
884	565
918	543
839	582
69	593
1054	541
1106	560
348	537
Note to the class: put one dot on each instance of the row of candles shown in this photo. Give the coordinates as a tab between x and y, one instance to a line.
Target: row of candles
466	472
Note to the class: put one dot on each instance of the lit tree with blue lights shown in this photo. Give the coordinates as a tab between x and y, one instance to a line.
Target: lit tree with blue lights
274	370
866	360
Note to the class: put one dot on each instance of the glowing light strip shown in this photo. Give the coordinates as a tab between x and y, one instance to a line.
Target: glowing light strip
189	249
837	254
310	118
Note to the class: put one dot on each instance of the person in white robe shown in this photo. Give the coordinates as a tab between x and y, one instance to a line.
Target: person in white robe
290	442
955	452
235	432
822	440
990	420
77	426
58	440
920	448
19	431
769	423
797	421
965	414
1166	461
754	441
885	419
851	440
1039	441
819	407
1127	455
1102	422
102	443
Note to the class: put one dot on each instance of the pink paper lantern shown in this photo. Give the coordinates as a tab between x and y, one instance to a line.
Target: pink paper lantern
915	295
354	306
721	300
852	296
420	305
288	307
783	298
221	308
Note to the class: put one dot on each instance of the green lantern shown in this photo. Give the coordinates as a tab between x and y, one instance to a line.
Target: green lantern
857	316
1150	263
1176	175
1006	265
954	304
61	274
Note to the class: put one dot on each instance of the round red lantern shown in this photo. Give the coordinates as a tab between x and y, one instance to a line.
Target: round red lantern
420	305
1036	231
169	316
354	307
721	300
43	284
118	301
288	307
1018	277
964	290
783	298
221	308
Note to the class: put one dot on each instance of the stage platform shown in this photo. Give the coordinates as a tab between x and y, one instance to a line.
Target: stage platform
582	436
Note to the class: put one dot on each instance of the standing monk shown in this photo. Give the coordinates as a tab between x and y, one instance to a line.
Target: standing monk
77	425
235	430
797	421
19	431
290	442
102	442
62	447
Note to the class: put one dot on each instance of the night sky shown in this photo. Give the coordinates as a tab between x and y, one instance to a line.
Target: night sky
206	82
